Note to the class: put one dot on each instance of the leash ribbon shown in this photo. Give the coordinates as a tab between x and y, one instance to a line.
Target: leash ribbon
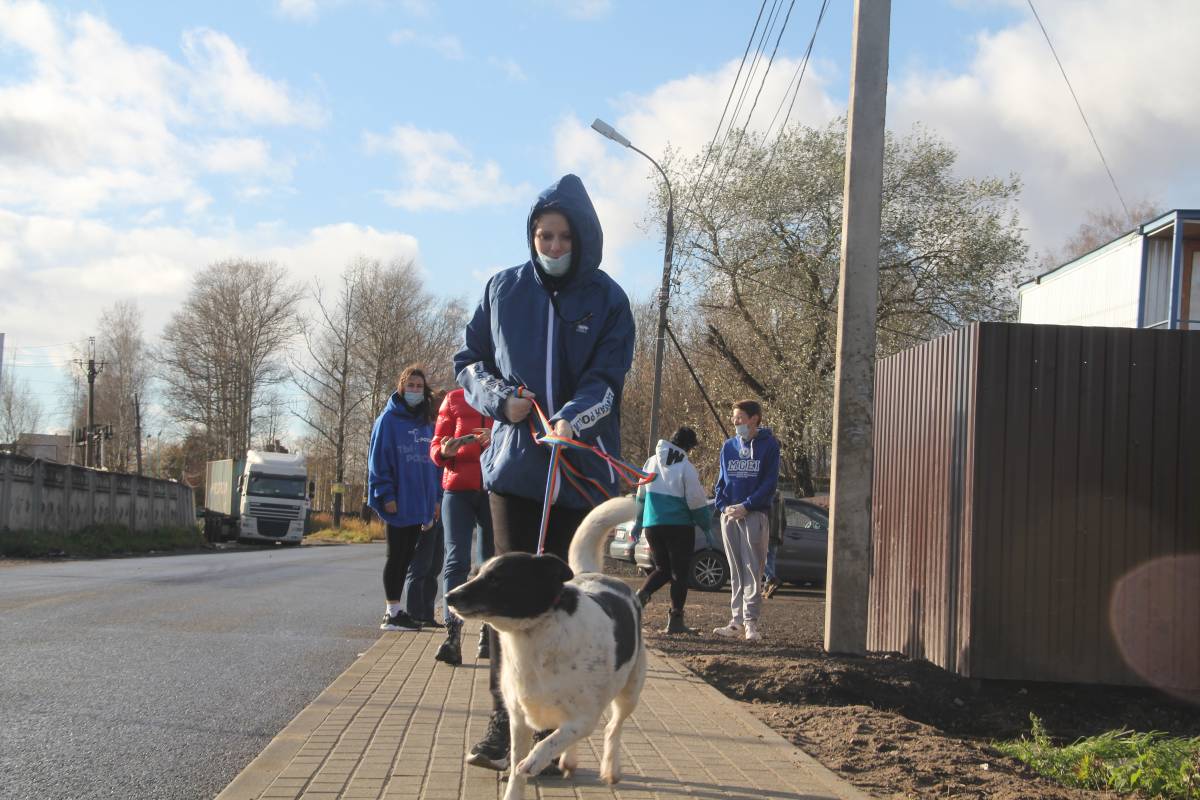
631	475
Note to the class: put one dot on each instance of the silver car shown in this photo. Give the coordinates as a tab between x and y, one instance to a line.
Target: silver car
800	558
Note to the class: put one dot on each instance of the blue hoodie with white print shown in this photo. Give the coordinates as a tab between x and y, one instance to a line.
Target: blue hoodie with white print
399	468
568	340
749	472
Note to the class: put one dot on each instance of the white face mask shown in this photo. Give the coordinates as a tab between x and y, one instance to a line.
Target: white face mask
555	267
742	430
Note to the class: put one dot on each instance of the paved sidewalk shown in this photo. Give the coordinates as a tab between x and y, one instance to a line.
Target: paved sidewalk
396	724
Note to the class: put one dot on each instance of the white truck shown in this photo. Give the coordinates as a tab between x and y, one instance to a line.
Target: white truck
262	498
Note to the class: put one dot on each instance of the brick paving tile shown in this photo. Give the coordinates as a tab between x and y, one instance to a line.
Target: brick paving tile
397	724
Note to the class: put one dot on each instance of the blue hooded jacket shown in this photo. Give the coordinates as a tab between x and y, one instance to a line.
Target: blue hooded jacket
568	340
749	472
399	467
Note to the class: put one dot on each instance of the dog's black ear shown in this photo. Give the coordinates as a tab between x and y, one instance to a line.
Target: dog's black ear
562	573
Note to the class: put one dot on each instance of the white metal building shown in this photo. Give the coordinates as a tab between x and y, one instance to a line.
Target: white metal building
1148	278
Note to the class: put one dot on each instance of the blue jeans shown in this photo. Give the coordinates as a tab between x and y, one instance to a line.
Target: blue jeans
769	569
462	513
421	584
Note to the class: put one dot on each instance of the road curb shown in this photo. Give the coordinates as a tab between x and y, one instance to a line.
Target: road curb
258	775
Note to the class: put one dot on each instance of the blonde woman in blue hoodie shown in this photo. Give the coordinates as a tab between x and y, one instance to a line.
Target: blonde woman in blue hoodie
670	508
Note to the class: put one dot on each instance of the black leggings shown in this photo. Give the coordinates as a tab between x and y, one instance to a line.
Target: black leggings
671	547
515	525
401	543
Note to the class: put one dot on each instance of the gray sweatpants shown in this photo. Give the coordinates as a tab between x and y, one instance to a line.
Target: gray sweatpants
746	551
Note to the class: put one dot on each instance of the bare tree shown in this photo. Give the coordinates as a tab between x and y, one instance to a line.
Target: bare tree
225	347
1102	226
399	323
333	388
20	411
126	376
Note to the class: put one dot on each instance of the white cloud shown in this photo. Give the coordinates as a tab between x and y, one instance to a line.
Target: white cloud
71	268
585	9
447	46
511	69
297	9
681	114
236	155
95	122
438	172
1010	110
224	81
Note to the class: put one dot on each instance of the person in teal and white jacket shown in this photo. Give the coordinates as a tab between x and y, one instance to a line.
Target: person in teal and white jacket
670	507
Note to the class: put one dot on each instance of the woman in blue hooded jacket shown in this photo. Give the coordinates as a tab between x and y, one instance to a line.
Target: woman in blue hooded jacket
559	330
403	484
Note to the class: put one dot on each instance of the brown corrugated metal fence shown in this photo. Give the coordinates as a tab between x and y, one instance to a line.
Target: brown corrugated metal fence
1037	504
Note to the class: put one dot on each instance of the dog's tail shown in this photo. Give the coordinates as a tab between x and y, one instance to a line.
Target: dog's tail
587	548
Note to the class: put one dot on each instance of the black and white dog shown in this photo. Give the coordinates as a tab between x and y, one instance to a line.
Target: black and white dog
571	644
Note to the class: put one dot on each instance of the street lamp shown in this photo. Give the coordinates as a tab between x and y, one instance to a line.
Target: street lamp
664	291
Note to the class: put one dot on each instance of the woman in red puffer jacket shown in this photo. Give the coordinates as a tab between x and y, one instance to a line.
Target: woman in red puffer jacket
459	436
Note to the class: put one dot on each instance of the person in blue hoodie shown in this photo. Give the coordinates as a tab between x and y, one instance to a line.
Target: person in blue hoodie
558	330
403	484
744	489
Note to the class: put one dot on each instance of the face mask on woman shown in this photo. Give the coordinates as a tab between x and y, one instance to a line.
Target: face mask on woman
414	398
555	267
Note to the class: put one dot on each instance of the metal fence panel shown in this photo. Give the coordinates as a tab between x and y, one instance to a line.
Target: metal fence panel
1035	507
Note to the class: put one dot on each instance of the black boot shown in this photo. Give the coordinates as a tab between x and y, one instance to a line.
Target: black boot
451	650
485	642
675	622
491	752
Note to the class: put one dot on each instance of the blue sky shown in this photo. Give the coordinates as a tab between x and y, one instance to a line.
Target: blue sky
140	142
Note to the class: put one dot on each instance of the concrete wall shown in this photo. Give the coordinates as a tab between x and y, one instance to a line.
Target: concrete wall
40	495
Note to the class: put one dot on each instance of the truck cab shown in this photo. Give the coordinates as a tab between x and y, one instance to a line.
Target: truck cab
272	497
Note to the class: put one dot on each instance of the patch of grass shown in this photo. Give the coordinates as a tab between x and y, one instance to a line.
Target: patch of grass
1148	764
97	540
353	530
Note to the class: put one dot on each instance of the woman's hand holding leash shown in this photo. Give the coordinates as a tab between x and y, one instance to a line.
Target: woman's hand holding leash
518	406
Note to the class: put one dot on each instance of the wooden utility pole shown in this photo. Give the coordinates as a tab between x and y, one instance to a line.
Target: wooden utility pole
848	572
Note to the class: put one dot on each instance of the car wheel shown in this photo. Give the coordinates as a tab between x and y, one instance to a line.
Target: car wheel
707	571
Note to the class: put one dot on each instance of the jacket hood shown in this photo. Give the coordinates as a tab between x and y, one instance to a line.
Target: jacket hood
664	451
568	197
397	406
761	437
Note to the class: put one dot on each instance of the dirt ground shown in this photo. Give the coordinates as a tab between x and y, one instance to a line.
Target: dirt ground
891	726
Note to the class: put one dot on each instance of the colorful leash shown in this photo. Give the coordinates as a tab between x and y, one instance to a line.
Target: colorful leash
558	463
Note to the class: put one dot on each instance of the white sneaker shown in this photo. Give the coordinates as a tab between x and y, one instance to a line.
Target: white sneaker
731	631
752	632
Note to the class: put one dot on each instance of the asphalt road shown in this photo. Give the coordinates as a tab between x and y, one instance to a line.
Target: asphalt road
163	677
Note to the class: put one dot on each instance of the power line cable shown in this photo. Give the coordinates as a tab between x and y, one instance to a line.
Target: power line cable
801	69
709	150
1079	106
717	175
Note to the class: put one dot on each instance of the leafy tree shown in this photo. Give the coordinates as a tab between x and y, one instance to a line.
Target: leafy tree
760	252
